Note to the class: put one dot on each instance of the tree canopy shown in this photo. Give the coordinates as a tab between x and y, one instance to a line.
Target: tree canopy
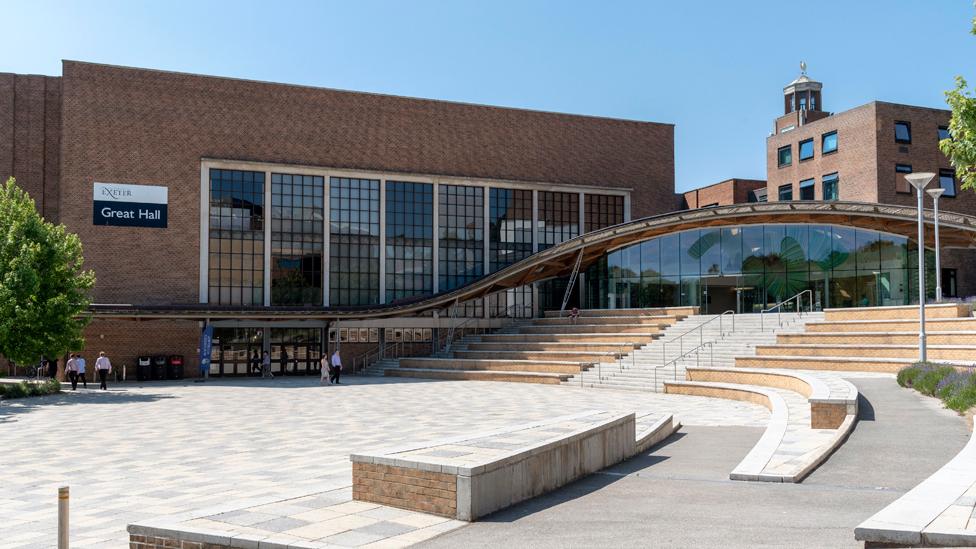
961	146
43	285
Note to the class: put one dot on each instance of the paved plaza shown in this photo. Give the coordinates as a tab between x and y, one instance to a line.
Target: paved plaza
139	452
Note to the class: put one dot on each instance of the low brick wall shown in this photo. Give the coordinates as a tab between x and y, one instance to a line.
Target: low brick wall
764	379
156	542
406	488
827	415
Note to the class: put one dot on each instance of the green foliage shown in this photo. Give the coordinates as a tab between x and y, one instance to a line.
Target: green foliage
25	389
43	287
956	389
907	376
929	379
962	400
961	147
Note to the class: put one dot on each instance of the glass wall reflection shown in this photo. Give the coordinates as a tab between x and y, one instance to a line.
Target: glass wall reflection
751	267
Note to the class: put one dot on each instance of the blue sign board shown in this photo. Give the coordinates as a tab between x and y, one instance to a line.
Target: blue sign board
206	345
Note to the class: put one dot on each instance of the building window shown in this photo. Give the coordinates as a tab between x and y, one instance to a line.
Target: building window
901	184
949	283
236	262
461	235
806	149
558	218
602	211
828	143
296	239
409	239
354	241
785	192
944	133
757	195
831	184
784	156
947	179
903	132
807	190
510	226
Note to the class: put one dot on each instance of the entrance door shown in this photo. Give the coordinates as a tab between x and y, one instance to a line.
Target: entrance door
296	351
234	351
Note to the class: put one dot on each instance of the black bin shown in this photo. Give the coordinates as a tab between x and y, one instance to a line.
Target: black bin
159	367
144	368
174	367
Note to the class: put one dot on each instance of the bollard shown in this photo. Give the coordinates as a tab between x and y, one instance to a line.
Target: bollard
63	517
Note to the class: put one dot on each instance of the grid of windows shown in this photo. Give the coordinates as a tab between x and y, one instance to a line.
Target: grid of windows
296	239
409	239
558	218
807	191
806	149
901	184
903	132
236	262
354	241
509	226
461	233
784	155
828	143
785	192
603	210
831	187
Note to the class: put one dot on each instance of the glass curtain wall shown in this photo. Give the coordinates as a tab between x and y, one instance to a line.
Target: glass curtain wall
409	240
747	268
461	234
296	239
236	247
510	241
354	241
602	211
558	222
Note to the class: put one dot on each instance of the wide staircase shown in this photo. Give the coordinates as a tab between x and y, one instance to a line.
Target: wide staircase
695	341
874	339
551	349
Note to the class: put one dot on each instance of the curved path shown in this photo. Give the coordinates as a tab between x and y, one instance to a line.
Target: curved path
679	495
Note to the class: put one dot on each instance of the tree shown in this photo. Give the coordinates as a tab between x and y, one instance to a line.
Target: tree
43	287
961	147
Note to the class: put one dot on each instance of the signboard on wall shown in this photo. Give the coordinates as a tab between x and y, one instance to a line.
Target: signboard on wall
125	205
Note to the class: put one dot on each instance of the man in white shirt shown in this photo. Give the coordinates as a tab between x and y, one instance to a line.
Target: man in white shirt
104	367
71	370
80	362
336	367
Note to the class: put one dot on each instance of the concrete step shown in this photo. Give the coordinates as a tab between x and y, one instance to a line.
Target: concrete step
655	320
563	367
937	324
646	329
880	338
578	356
935	352
621	348
906	312
480	375
637	338
677	311
837	363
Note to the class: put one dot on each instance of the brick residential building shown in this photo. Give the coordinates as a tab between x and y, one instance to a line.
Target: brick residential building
723	193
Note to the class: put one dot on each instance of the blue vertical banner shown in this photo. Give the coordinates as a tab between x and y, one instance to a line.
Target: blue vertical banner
206	344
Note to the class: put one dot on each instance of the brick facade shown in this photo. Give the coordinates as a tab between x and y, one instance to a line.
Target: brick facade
723	193
406	488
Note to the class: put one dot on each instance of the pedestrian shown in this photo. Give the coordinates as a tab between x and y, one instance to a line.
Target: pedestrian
284	360
71	368
103	367
336	367
266	365
52	368
574	315
326	370
80	361
255	362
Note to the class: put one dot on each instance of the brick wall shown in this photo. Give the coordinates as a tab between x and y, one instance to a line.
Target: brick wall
30	133
157	542
152	127
406	488
124	340
724	193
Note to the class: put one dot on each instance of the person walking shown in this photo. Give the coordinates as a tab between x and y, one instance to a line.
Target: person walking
80	362
52	367
103	367
266	365
255	362
284	360
71	369
336	367
326	370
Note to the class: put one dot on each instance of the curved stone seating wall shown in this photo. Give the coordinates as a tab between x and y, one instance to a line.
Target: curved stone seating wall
469	477
939	512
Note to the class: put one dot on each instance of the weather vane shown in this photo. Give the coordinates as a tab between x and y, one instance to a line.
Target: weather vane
803	67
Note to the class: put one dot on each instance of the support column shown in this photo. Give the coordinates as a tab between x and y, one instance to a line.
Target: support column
326	240
436	255
269	213
382	296
486	210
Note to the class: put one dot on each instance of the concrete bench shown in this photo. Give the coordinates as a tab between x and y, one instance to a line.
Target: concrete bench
471	476
933	514
831	397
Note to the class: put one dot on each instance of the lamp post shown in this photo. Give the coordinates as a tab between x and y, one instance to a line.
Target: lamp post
919	181
935	194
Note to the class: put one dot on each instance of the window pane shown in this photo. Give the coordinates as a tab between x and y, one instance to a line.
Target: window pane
785	155
947	179
829	142
806	149
807	189
831	187
901	184
944	133
785	193
903	132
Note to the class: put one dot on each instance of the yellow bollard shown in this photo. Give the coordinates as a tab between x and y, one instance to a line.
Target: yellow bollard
63	517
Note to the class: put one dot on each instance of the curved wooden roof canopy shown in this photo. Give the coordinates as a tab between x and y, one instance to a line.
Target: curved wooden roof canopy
955	231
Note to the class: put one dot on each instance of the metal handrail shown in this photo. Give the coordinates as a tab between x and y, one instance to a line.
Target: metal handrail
779	308
701	335
711	348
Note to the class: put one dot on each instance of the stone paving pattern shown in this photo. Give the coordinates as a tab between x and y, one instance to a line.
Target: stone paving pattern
136	453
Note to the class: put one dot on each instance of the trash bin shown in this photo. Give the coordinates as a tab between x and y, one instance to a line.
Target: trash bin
174	368
159	367
144	368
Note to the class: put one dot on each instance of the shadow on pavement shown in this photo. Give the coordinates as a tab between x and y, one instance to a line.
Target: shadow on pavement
865	411
11	408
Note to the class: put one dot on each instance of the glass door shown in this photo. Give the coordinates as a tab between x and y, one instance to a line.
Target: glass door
296	351
236	351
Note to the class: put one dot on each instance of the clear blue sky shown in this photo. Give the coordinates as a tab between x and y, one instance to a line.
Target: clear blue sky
715	69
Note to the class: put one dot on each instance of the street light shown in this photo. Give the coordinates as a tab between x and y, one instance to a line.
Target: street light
919	181
935	194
